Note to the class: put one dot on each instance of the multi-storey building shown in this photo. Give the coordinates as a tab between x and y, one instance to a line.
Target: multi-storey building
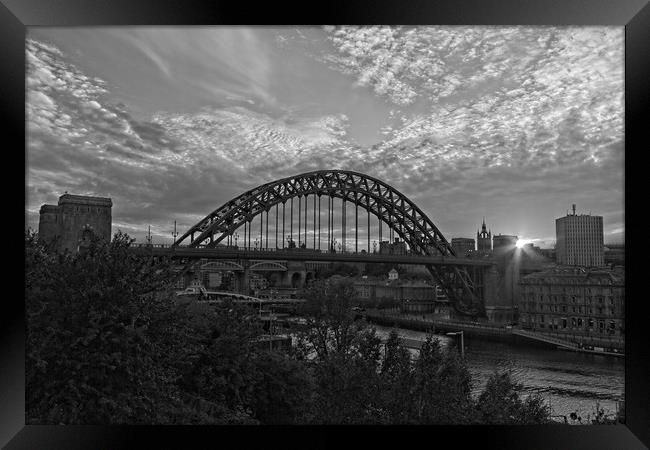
369	289
462	246
579	240
503	243
484	239
64	224
397	247
574	300
614	254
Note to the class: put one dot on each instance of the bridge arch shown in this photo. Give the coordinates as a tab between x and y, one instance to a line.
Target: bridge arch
268	266
378	198
383	201
218	266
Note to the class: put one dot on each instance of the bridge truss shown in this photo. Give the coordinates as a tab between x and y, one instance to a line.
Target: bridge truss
320	188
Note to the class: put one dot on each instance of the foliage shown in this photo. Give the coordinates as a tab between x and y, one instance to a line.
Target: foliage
339	268
441	386
500	403
92	325
108	343
331	322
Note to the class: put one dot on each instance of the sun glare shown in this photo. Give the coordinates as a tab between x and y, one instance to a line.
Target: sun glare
522	242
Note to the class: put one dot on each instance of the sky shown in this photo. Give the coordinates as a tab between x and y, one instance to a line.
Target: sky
511	124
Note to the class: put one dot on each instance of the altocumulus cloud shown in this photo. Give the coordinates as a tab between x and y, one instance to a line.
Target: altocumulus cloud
173	166
484	120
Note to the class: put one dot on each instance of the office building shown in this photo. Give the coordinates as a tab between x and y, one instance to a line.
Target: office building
579	240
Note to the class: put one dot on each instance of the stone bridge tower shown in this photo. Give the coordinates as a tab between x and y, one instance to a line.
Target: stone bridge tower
64	224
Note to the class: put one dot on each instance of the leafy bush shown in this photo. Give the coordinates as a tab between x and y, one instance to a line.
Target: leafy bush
108	343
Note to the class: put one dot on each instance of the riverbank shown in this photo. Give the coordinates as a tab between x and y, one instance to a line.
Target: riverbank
491	332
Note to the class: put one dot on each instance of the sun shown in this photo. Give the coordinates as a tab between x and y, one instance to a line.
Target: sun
521	242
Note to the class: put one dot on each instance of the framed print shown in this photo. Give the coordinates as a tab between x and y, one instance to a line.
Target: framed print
258	225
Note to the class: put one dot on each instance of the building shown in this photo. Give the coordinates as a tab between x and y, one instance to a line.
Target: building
504	242
462	246
372	289
484	239
397	247
548	253
614	254
63	225
393	274
574	300
579	240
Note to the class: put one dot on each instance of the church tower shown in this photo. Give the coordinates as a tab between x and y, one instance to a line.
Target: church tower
484	239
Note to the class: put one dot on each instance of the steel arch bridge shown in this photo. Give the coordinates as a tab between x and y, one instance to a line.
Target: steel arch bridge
392	208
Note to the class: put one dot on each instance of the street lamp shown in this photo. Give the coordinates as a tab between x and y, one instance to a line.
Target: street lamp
174	233
462	341
236	237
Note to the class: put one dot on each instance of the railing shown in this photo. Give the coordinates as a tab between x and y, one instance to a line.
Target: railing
597	340
374	254
492	329
542	337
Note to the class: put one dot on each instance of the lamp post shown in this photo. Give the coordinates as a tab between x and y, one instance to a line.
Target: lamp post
175	233
462	341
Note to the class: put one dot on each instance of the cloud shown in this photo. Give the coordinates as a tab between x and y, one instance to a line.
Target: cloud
513	123
173	166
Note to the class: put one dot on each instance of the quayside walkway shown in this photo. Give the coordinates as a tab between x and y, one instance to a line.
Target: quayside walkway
491	331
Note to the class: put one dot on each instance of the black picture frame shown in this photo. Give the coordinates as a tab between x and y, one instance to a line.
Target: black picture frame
16	15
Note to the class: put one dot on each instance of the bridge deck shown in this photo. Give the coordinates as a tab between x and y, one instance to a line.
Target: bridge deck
301	255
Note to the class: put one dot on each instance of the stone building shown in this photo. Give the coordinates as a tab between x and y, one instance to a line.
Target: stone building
369	289
579	240
64	225
462	246
504	243
484	239
397	247
574	300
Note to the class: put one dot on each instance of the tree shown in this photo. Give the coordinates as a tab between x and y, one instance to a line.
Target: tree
348	384
92	325
396	372
441	386
330	319
500	403
282	390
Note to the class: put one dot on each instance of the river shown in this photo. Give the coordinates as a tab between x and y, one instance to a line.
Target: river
569	381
